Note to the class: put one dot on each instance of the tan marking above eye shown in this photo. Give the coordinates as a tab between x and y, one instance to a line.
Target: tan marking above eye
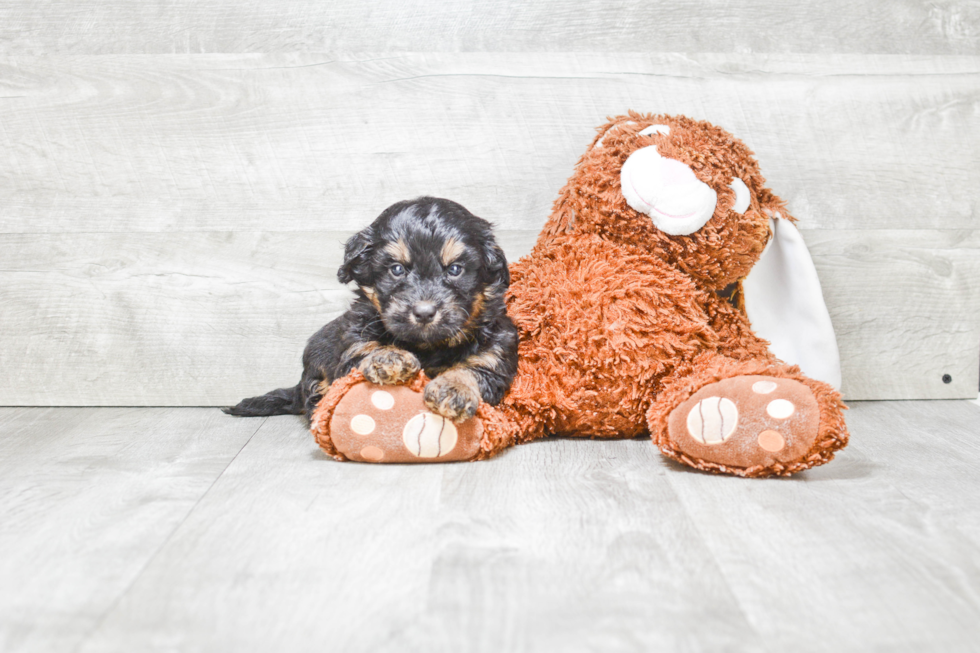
399	251
452	249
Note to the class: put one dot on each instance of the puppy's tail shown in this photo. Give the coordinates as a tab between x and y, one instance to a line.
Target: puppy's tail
284	401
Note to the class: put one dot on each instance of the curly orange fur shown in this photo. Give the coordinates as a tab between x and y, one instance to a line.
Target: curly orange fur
620	322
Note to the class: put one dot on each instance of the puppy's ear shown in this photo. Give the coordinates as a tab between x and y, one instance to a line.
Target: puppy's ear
495	266
357	253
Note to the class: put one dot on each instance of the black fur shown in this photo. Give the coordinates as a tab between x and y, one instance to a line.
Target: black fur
469	329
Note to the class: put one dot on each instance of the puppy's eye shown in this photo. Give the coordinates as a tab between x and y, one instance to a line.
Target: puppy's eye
455	270
397	270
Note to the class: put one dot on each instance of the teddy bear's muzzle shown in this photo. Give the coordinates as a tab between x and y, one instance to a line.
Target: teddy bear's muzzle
668	191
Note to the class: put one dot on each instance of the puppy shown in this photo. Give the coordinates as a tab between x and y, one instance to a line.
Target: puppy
430	295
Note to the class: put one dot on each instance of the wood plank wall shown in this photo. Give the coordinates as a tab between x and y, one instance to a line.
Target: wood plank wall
176	178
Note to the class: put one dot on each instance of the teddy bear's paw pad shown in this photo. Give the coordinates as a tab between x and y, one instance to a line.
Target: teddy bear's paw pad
391	424
746	421
712	420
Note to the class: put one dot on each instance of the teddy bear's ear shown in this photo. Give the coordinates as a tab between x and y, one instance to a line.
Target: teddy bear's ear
784	304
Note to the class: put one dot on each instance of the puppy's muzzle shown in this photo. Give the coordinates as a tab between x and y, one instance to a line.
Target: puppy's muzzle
424	312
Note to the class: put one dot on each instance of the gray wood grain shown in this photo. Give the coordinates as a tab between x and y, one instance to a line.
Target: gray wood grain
352	535
161	319
553	547
876	551
323	142
170	224
87	498
560	545
174	26
209	318
906	310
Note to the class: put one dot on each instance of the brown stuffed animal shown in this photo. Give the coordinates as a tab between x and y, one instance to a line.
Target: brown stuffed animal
630	324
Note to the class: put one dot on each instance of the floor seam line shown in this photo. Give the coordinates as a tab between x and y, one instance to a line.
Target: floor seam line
129	586
749	621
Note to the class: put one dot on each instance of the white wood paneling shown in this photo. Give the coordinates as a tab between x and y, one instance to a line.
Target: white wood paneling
906	309
188	26
169	226
301	142
161	318
209	318
562	545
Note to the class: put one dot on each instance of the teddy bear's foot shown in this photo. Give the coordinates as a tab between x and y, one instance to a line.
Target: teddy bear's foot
747	425
366	422
391	424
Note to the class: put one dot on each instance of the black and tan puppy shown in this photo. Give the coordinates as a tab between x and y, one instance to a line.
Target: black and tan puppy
430	295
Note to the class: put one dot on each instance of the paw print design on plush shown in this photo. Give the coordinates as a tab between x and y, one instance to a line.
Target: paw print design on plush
429	436
391	424
712	420
746	421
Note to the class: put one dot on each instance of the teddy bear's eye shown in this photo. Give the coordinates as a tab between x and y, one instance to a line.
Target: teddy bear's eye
655	129
742	195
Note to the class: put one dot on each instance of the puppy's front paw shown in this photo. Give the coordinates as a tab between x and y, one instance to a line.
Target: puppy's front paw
454	395
389	366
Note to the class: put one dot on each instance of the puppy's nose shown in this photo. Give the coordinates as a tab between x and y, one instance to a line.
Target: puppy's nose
424	312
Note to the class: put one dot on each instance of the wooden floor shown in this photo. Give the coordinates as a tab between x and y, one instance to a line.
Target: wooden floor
162	529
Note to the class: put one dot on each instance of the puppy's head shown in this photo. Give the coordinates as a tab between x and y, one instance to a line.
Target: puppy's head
430	267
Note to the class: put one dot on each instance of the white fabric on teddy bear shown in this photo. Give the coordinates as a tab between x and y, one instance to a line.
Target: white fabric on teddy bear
785	305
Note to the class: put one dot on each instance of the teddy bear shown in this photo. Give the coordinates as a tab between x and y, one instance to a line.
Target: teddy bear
632	319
